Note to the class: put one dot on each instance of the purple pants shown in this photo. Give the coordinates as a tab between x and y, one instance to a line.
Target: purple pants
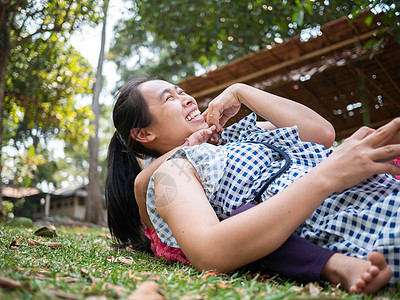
297	258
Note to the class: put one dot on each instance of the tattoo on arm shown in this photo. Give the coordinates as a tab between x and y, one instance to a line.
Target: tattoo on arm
167	184
166	189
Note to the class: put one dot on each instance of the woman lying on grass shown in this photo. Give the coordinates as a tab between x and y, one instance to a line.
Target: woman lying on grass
333	199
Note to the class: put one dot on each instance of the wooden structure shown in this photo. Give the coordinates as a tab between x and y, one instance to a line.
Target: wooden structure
333	74
33	203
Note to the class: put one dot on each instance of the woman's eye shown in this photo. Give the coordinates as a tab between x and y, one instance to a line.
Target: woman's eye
169	98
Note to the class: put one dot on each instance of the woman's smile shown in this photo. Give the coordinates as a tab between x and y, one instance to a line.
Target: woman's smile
195	116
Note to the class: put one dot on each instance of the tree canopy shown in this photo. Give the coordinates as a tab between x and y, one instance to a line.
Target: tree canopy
176	39
40	78
43	79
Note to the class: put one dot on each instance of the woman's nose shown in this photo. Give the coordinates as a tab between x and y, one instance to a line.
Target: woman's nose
188	100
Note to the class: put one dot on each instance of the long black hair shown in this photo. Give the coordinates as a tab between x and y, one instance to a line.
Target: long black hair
130	111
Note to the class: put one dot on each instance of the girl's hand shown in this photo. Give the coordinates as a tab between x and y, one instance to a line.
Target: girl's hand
365	153
201	136
223	107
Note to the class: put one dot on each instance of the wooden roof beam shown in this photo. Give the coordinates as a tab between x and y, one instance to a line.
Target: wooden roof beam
387	74
287	63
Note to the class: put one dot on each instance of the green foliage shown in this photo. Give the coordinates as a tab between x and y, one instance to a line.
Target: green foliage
20	222
44	76
175	39
27	168
7	208
32	19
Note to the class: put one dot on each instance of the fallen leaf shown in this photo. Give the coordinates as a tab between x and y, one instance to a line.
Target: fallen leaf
13	245
106	236
44	231
313	290
119	290
43	277
147	290
84	271
125	260
121	259
53	245
164	286
9	283
208	274
222	285
296	289
70	279
96	297
62	295
111	259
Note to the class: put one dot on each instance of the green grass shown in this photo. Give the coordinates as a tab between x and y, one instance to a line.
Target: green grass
85	265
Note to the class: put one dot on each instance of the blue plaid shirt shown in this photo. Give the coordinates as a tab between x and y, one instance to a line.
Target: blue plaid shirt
232	173
355	222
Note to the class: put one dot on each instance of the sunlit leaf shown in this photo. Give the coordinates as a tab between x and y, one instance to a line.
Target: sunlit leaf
146	291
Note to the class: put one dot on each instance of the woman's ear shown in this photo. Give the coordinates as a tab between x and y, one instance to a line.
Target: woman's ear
142	135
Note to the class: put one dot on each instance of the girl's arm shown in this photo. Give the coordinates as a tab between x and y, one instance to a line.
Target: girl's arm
236	241
280	112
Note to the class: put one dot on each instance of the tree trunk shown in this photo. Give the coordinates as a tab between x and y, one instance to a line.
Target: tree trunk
94	205
4	50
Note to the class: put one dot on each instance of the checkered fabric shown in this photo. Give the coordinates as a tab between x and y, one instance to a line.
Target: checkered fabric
355	222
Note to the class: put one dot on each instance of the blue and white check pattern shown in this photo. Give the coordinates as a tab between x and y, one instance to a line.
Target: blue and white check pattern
356	222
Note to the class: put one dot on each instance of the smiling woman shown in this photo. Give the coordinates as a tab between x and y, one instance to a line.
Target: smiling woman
188	198
176	116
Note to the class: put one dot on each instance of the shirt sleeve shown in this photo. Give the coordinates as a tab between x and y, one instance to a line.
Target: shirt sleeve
240	131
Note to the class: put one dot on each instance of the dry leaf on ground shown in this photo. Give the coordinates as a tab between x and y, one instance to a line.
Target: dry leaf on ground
105	235
69	279
119	290
296	289
208	274
44	231
313	289
9	283
147	290
53	245
61	295
125	260
121	259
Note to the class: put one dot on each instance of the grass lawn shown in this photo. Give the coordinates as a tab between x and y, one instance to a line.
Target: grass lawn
80	264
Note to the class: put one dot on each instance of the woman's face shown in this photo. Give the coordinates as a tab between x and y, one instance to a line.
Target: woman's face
176	114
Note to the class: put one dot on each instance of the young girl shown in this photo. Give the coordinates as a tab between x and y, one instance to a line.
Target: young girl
192	195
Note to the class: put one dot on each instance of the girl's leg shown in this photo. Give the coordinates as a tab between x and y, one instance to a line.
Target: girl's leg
304	261
297	258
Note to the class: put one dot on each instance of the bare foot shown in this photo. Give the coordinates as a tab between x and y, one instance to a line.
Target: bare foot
356	275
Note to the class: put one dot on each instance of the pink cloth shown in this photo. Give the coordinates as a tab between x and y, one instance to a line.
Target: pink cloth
397	161
170	254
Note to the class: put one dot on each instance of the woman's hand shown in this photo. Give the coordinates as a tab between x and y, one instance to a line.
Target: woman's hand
278	111
201	136
223	107
365	153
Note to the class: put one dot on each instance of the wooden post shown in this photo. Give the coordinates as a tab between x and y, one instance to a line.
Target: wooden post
47	206
363	95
